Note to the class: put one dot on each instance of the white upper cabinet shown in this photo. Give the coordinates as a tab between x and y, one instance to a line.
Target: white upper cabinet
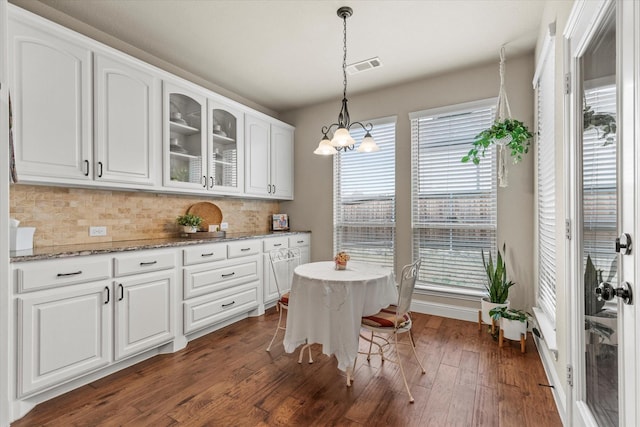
269	159
226	148
127	133
185	142
50	77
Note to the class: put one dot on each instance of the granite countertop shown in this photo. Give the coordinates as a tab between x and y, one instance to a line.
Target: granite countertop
51	252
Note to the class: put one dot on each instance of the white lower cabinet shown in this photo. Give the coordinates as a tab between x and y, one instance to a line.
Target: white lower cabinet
269	280
144	311
62	334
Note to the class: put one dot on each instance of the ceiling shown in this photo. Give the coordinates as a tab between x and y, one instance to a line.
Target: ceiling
285	54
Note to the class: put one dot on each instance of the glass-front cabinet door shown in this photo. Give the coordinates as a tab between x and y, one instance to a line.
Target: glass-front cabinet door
226	127
185	153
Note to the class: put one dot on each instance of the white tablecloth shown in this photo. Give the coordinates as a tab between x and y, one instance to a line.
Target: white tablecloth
326	305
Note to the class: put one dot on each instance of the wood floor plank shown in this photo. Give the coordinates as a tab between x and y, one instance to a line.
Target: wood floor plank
227	378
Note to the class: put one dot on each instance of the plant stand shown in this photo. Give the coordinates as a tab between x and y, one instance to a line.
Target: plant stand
501	339
480	323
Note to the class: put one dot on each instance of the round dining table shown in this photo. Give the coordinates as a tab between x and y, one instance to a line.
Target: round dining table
326	306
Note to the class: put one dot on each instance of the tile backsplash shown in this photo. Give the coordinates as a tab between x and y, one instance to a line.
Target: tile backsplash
62	216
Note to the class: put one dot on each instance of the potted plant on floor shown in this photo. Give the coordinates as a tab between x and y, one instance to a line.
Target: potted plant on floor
497	287
513	324
189	222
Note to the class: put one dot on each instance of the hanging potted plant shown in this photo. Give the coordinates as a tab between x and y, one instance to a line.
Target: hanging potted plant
497	287
189	222
508	134
513	324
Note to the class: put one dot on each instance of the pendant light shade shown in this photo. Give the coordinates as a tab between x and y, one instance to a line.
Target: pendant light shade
342	139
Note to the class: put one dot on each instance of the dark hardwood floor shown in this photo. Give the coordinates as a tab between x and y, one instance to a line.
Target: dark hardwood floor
228	379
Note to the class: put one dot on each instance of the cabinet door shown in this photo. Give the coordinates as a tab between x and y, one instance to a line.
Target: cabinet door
127	119
185	142
281	162
226	148
62	334
257	178
144	307
51	80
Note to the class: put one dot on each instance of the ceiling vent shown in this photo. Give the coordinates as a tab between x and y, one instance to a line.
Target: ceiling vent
365	65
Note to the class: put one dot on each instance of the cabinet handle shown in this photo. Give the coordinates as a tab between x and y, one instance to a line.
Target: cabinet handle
86	168
121	292
75	273
144	264
211	182
204	181
106	288
228	275
269	188
245	249
99	169
228	305
300	241
274	189
277	244
206	255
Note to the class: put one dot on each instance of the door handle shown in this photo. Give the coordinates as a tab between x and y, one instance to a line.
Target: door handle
121	288
269	188
99	169
606	292
86	168
106	288
623	242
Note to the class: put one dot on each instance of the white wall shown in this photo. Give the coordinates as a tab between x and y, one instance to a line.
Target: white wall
313	204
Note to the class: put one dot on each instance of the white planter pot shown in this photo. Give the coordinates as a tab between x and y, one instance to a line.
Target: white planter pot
485	306
189	229
513	329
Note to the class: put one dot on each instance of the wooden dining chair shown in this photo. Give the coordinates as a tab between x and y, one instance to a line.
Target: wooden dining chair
388	323
283	262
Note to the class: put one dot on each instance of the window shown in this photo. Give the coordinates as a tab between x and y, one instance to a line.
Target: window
454	204
364	198
545	183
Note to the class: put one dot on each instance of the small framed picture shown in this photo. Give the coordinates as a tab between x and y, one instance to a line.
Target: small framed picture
280	222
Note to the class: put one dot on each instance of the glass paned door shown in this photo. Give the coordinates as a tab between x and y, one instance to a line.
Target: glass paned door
186	151
225	137
598	214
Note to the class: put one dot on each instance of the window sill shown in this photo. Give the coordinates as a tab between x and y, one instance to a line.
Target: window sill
465	294
547	330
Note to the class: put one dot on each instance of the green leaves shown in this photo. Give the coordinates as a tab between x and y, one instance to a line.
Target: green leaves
514	133
509	313
497	284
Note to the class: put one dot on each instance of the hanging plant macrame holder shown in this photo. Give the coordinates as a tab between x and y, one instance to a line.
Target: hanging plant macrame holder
503	111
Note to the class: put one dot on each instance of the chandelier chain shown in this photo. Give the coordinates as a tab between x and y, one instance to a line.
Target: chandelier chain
344	56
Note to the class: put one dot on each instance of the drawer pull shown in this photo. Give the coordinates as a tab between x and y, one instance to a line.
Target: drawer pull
277	244
144	264
106	288
205	255
245	249
229	275
228	305
75	273
300	241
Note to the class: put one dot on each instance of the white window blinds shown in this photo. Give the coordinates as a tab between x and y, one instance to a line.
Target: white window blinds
364	203
454	206
546	187
599	184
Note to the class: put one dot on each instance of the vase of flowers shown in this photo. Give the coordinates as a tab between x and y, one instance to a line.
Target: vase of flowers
341	259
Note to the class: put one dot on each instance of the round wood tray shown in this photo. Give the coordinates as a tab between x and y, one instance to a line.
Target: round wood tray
210	214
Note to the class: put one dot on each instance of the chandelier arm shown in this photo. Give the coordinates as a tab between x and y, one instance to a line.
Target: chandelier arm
366	127
327	129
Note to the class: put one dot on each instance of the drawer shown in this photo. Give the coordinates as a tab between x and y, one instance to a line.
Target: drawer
37	275
220	306
204	253
274	243
243	248
202	280
143	262
299	240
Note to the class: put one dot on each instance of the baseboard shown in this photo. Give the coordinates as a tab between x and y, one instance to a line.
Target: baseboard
559	396
445	310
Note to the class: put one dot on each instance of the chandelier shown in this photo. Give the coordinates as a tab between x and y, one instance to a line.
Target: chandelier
342	140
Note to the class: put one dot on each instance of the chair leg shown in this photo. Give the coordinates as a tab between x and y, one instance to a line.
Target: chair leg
404	378
413	347
370	347
280	310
